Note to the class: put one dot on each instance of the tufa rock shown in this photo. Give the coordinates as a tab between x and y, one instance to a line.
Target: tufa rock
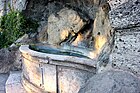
102	28
63	24
103	35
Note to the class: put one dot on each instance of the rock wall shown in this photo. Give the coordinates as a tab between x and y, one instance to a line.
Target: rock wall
126	51
2	4
16	4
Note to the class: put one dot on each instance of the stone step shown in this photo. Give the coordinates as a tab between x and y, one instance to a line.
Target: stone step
3	78
13	83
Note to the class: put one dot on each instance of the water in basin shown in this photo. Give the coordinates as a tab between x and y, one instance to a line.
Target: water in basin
57	51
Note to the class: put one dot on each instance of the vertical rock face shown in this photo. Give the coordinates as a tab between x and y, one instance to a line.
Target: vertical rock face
103	35
2	2
126	50
125	55
65	23
16	4
121	17
19	4
115	3
101	28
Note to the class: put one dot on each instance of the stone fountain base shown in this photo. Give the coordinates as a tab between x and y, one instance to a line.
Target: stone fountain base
51	73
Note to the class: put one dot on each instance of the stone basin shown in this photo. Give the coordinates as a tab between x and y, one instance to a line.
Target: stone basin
51	72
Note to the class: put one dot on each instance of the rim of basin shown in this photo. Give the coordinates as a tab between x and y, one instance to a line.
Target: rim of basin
65	58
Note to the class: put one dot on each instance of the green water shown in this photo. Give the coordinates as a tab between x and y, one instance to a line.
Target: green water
50	50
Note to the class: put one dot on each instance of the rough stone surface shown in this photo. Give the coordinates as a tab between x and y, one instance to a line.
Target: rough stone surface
41	75
121	17
13	84
101	28
112	82
115	3
103	35
16	4
17	65
71	79
19	4
50	80
6	60
1	7
66	22
32	72
89	7
10	59
80	66
126	51
25	39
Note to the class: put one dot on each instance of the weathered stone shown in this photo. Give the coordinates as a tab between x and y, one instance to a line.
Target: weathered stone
115	3
25	39
19	4
126	51
112	82
102	33
102	28
50	78
70	80
16	4
10	59
32	72
81	66
6	60
2	7
41	9
17	65
3	79
41	70
42	76
66	22
42	35
13	84
89	7
121	17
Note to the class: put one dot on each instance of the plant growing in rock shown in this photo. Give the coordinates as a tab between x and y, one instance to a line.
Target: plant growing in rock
13	25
